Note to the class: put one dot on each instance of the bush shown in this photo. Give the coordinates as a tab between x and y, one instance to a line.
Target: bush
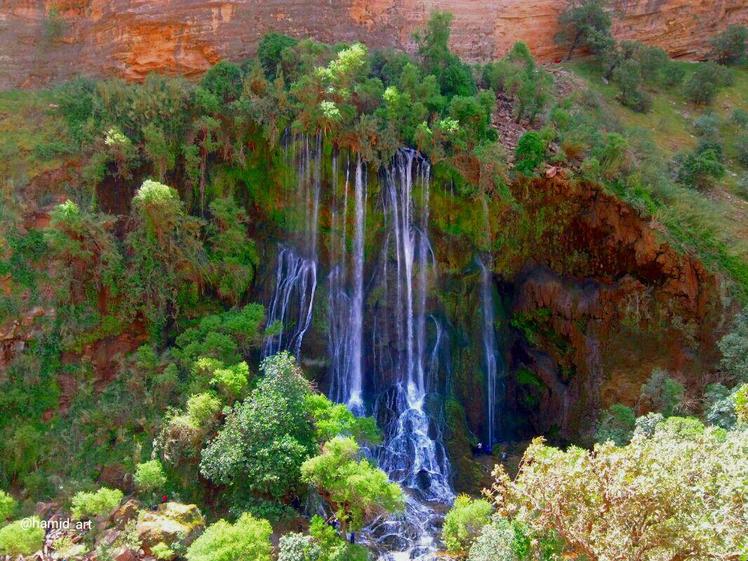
719	406
707	125
22	537
91	505
163	552
530	153
150	476
270	51
699	169
701	87
495	543
729	46
616	424
734	348
7	506
741	147
741	404
297	547
248	538
202	409
740	118
464	522
661	394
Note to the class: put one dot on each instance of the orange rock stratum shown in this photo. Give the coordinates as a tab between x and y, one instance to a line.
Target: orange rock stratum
130	38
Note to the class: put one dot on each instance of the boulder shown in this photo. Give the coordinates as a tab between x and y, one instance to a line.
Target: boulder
170	523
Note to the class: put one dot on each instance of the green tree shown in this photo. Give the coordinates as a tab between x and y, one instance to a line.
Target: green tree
585	23
270	51
166	254
248	538
150	476
662	394
530	153
231	254
267	437
453	75
729	46
355	489
464	522
734	348
90	505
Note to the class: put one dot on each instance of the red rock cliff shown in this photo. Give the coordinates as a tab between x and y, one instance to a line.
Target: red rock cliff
133	37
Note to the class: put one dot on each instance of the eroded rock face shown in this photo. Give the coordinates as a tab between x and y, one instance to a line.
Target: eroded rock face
604	302
131	38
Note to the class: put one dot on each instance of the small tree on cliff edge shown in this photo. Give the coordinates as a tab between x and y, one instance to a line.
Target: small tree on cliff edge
585	23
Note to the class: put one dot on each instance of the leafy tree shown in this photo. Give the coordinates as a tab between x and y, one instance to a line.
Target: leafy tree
248	538
729	46
267	437
530	152
166	253
270	51
585	23
453	75
332	546
335	419
616	424
356	489
231	254
22	537
159	150
661	394
149	476
719	406
464	522
701	86
629	77
223	80
677	487
91	505
7	506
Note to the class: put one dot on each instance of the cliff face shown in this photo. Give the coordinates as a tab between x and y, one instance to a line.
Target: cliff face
43	40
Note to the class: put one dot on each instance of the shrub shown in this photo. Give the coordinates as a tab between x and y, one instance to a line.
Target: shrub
707	125
495	542
150	476
248	538
22	537
699	169
7	506
676	487
270	51
202	409
741	147
530	153
739	118
734	348
729	46
661	393
585	24
616	424
91	505
701	86
297	547
741	404
163	552
356	489
646	425
464	523
719	406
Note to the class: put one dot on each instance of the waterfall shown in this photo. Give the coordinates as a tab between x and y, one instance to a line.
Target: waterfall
292	303
346	305
490	351
412	454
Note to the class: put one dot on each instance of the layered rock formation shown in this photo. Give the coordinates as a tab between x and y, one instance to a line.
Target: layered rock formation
44	40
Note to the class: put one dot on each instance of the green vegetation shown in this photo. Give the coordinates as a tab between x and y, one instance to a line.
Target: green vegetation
463	523
150	476
248	538
99	503
7	506
22	537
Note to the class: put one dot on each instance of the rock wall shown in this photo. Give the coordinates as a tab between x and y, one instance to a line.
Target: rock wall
45	40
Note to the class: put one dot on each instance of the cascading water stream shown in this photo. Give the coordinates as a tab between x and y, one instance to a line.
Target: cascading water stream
490	351
292	302
413	454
